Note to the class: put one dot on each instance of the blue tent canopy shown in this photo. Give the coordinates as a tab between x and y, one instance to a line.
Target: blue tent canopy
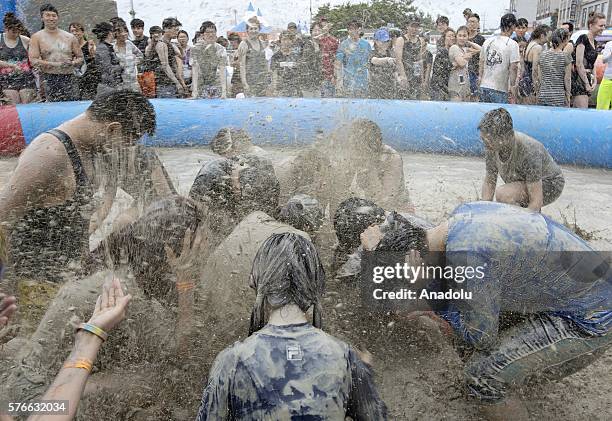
242	27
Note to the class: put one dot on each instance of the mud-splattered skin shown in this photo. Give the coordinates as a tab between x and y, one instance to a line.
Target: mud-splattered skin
290	372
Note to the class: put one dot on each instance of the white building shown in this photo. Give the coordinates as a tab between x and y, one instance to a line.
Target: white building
569	11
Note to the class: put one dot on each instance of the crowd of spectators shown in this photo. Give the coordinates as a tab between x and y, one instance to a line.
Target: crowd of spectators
541	67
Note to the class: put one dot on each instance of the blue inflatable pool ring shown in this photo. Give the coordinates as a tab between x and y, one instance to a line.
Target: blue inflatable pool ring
581	137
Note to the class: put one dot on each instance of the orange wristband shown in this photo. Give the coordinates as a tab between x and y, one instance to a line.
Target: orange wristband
184	286
80	363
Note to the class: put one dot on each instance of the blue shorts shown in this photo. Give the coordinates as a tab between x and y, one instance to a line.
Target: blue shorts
493	96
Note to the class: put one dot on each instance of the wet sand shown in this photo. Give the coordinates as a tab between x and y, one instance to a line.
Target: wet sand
430	387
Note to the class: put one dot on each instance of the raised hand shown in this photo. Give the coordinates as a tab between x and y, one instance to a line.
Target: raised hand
110	306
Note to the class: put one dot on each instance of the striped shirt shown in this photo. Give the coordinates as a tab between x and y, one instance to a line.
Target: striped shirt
552	78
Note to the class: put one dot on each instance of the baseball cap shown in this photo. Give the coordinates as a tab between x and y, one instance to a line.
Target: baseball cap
382	35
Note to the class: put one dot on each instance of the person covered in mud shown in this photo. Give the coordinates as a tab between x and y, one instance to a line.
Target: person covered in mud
230	142
532	177
352	218
235	187
525	264
49	202
354	161
316	375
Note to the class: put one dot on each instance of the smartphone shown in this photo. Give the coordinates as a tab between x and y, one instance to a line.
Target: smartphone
461	79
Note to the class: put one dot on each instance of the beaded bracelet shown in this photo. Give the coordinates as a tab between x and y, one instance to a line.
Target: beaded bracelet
80	363
94	330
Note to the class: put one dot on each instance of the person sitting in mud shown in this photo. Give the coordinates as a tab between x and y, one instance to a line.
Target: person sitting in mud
318	376
235	187
527	265
230	142
69	384
48	202
353	162
532	177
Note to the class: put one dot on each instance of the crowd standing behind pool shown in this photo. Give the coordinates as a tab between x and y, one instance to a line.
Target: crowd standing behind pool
509	67
225	287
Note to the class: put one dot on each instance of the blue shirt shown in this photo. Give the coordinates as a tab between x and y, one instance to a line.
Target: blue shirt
355	57
294	372
531	264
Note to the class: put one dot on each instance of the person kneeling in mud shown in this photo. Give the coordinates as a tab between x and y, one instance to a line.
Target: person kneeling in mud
316	375
528	266
532	177
230	142
354	161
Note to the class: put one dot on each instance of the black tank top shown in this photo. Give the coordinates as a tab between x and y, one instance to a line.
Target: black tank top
17	55
46	240
161	78
590	53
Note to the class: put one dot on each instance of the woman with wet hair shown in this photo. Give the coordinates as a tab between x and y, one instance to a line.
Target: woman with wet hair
289	368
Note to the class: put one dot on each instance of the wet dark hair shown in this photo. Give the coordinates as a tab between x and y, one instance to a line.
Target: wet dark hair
137	23
405	236
522	23
569	25
102	30
354	216
442	19
48	7
287	270
10	21
559	36
170	23
259	187
118	25
234	37
475	15
131	109
507	22
539	31
142	242
302	212
207	24
182	31
497	123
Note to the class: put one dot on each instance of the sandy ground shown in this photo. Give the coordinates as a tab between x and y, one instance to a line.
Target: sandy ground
418	373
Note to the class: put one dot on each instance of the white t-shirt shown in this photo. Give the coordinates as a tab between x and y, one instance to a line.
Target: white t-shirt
500	52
